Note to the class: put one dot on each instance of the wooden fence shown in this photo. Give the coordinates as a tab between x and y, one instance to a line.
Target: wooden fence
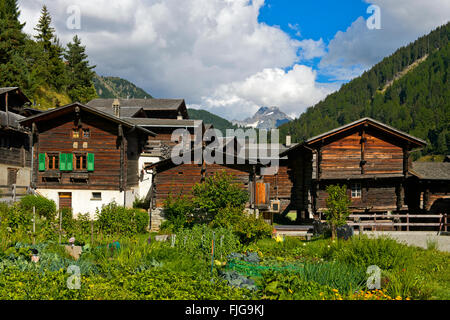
14	192
381	221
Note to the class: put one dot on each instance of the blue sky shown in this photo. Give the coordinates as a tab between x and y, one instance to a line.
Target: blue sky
319	19
315	19
232	57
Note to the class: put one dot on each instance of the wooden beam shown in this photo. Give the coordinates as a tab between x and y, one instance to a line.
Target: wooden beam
7	113
363	147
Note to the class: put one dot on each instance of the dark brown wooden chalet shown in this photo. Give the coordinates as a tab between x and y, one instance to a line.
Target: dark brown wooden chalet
269	189
85	154
15	155
428	190
369	157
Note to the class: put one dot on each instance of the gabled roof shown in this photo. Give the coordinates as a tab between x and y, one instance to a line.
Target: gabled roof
10	119
174	123
131	107
68	108
415	142
7	89
372	122
146	104
16	91
431	170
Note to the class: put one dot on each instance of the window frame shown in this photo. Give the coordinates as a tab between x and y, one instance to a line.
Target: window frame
76	161
356	191
53	159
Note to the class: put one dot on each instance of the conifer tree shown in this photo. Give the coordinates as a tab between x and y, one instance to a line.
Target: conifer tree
46	33
80	74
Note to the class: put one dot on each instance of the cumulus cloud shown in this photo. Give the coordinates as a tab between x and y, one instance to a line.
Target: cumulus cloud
295	90
402	21
175	48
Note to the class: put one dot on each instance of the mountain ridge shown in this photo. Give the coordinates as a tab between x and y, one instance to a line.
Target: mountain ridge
265	118
108	87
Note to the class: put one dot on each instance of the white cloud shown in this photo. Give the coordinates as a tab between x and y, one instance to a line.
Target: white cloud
402	21
174	48
312	49
295	90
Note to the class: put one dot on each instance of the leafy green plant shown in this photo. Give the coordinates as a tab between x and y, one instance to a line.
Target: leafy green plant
337	207
217	192
118	220
44	207
176	212
246	226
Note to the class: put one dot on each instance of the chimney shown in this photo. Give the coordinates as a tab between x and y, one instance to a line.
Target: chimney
116	108
288	141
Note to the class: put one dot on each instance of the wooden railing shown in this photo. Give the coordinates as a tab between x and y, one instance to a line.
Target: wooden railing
388	220
14	191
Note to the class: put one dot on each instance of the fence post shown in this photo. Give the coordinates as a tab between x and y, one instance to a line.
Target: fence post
34	225
60	225
92	232
407	221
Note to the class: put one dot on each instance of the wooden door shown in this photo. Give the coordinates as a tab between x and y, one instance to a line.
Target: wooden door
12	176
65	200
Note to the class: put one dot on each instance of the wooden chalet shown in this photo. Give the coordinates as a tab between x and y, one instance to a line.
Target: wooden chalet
269	189
369	157
84	157
428	190
15	153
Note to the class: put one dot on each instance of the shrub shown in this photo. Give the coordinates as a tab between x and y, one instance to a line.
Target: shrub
141	203
176	212
337	207
246	226
113	219
44	207
217	192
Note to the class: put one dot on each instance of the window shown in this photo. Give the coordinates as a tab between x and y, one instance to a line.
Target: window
80	162
53	161
75	134
86	133
356	191
96	196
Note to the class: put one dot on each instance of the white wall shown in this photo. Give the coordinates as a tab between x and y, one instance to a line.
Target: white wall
146	182
82	201
23	175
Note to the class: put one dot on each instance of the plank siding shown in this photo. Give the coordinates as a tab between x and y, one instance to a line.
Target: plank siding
56	137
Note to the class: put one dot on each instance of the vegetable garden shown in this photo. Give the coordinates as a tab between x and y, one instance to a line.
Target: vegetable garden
210	260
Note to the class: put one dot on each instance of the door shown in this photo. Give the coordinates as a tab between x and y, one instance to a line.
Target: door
65	200
260	193
12	176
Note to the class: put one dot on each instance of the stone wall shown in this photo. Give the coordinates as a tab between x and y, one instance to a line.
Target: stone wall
156	219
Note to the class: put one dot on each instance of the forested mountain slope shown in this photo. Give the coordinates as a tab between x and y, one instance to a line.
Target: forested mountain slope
417	101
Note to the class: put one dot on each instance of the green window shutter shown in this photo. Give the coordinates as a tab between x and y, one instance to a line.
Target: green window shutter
69	163
62	161
90	162
41	161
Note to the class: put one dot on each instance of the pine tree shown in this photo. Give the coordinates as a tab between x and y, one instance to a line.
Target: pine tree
12	38
45	31
80	74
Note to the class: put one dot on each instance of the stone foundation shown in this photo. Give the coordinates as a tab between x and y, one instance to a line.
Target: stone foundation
156	219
